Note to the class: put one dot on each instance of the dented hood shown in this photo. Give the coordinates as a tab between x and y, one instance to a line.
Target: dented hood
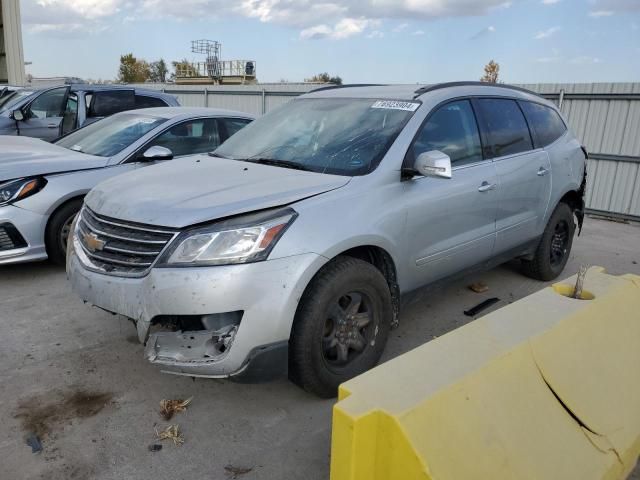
26	157
201	188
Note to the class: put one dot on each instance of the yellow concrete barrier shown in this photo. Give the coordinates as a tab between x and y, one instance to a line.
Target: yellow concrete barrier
545	388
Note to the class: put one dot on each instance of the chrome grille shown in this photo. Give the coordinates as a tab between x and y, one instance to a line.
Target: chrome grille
120	247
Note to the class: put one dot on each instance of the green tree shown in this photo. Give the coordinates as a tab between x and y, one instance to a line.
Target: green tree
158	71
491	72
133	70
324	78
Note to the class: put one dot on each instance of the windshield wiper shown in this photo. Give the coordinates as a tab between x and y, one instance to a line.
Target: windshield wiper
279	163
217	155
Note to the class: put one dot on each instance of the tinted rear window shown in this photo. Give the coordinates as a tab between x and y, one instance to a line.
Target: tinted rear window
507	129
142	101
234	125
545	122
109	102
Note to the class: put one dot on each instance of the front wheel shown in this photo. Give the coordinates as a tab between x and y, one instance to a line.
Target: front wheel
341	326
59	229
554	248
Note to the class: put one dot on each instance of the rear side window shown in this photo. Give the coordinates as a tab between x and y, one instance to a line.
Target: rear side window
107	103
233	125
142	101
546	124
451	129
508	132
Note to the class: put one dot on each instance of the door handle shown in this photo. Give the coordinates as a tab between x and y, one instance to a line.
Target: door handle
542	171
52	125
486	186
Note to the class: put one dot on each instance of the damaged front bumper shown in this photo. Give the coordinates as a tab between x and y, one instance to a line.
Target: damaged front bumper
265	296
184	348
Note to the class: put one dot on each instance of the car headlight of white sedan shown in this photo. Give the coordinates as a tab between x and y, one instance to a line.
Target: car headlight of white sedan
20	189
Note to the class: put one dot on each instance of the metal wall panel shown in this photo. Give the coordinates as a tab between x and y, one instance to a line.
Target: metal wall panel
12	55
604	116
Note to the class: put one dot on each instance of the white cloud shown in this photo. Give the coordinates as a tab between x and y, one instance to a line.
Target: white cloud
550	2
400	28
548	59
585	59
345	28
89	9
600	13
615	6
314	19
418	32
481	33
375	34
546	33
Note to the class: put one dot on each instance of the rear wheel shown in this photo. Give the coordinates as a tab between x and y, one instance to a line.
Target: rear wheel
554	248
59	229
341	326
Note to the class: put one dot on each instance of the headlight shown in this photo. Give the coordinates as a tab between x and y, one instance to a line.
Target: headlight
242	240
19	189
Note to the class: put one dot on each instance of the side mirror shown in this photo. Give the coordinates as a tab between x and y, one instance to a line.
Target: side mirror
433	164
157	153
18	115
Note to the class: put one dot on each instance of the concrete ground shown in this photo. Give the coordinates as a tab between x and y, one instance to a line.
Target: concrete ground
76	375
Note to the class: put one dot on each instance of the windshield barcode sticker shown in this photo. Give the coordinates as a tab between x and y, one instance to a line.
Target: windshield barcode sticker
396	105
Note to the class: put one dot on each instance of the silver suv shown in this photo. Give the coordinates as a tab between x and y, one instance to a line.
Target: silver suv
292	244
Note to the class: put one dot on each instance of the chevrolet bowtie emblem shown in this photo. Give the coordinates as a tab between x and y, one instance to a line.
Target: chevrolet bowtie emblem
92	242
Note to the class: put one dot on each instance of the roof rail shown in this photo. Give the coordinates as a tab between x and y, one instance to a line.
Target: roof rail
348	85
438	86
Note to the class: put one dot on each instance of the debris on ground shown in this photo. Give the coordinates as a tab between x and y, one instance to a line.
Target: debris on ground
34	442
577	290
235	472
472	312
170	407
155	447
478	287
172	432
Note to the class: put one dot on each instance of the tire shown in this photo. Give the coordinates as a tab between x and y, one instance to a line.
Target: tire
346	290
57	231
554	248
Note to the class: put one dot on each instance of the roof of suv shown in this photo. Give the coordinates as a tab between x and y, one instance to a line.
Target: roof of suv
90	87
412	92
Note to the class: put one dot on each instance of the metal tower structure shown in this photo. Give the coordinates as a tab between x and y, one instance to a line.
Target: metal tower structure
214	70
213	52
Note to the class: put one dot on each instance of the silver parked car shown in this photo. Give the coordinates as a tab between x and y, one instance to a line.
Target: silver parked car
42	184
49	113
292	244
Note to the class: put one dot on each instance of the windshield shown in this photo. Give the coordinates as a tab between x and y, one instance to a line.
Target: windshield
11	98
342	136
111	135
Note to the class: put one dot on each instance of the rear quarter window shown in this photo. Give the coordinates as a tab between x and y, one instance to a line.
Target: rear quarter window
546	125
143	101
506	127
233	125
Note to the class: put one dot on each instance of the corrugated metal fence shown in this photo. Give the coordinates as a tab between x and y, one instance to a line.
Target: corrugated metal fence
605	116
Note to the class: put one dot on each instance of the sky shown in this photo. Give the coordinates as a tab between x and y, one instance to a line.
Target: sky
362	41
